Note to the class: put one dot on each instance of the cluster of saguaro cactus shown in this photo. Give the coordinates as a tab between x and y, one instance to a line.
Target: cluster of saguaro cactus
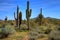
28	14
18	19
40	17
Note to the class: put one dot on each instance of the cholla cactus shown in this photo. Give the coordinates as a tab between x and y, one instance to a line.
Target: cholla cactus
28	14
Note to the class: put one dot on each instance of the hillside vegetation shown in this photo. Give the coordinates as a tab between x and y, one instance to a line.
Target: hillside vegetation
38	28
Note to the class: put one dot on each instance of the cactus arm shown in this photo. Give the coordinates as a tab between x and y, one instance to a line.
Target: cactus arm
26	13
15	16
30	12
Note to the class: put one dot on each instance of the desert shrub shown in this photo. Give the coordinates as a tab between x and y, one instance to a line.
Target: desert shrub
12	23
33	24
24	21
47	31
42	35
48	28
23	27
35	33
6	30
55	34
40	31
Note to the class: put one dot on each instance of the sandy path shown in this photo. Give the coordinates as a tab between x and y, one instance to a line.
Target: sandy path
25	38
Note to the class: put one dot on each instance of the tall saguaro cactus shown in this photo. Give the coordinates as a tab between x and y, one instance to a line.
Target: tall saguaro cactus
40	17
28	14
18	17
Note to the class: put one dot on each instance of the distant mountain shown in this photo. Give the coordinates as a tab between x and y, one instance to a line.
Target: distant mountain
52	18
1	20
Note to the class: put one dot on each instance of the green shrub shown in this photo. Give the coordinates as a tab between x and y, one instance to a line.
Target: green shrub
23	27
33	35
6	30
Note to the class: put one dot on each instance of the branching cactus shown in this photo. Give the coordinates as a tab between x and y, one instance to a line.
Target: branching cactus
18	18
28	14
15	19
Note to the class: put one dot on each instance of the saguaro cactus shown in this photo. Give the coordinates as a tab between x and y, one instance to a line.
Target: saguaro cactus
6	19
17	16
40	17
15	19
18	19
28	14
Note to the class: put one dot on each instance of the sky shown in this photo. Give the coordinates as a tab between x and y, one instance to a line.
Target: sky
50	8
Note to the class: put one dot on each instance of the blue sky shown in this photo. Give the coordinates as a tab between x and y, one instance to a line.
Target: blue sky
51	8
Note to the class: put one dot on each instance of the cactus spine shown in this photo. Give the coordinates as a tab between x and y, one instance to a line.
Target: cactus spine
18	19
28	14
